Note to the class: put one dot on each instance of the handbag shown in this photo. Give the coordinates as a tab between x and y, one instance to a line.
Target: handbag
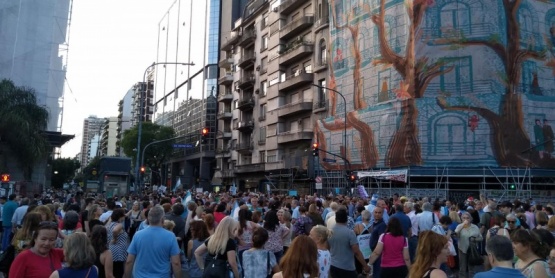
451	263
474	257
214	268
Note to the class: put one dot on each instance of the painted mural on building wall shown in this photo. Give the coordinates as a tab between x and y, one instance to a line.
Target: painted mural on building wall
441	83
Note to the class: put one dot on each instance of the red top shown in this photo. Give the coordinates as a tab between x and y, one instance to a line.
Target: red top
30	265
218	216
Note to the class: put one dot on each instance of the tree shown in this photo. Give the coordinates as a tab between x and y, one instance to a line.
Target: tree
87	173
156	154
404	148
21	124
63	170
508	135
365	138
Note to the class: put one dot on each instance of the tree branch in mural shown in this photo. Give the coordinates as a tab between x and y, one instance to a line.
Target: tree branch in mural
368	151
508	136
404	148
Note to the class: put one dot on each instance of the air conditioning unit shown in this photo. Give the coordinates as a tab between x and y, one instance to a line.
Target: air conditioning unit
275	10
257	91
258	68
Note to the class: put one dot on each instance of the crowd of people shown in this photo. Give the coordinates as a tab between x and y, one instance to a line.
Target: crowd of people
185	234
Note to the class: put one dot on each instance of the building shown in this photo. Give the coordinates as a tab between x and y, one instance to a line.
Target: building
91	126
138	94
272	54
125	114
185	94
460	98
108	140
33	50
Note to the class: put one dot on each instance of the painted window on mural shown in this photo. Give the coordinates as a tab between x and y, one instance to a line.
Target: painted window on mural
455	20
384	85
393	43
449	136
459	80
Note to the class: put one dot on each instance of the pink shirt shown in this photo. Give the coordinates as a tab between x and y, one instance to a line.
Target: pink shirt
392	252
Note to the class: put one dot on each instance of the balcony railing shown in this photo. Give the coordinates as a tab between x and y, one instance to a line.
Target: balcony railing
295	52
249	168
292	136
247	60
230	40
244	147
228	174
246	103
226	79
289	6
225	114
247	38
225	96
291	109
298	79
246	82
245	125
295	27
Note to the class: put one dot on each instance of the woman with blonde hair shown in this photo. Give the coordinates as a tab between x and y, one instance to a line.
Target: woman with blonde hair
46	214
221	250
432	251
300	260
24	235
320	234
94	216
79	257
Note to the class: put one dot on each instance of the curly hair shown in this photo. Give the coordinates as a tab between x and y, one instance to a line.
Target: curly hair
301	258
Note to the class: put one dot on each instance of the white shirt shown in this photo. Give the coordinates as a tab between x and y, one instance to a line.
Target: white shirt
105	216
414	222
18	214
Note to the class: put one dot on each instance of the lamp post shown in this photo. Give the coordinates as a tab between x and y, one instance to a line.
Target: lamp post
140	115
345	106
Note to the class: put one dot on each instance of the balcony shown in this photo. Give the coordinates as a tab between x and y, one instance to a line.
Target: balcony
249	168
262	118
225	97
228	174
226	79
225	134
230	40
226	62
248	38
293	136
247	60
224	115
246	82
296	80
223	153
243	126
291	109
244	148
296	52
276	165
246	103
295	27
289	6
320	106
253	8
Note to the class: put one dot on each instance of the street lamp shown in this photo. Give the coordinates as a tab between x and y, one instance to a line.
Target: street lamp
345	107
140	127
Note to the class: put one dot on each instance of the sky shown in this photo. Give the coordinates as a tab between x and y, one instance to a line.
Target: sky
111	44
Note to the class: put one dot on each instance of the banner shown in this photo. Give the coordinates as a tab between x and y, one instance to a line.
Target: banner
364	245
394	175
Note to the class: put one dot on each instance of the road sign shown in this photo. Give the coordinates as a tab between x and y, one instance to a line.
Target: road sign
183	145
318	179
329	160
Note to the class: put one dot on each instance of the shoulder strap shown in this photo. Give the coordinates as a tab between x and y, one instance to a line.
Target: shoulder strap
531	263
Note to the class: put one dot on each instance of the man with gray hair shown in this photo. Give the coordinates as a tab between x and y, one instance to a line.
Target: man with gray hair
413	233
154	251
427	219
500	256
19	213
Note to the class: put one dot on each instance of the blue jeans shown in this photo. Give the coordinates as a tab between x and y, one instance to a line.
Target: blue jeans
377	267
413	243
6	237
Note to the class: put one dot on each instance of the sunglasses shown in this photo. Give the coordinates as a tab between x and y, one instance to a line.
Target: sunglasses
511	222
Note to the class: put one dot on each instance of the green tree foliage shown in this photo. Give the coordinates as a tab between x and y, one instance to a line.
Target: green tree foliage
21	124
87	173
156	153
63	170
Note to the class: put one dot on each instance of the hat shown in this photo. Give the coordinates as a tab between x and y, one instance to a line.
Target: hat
469	208
470	199
506	204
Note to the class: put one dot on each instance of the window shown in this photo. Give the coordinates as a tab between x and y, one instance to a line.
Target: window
307	66
263	110
235	104
262	156
263	65
264	43
263	88
264	21
323	53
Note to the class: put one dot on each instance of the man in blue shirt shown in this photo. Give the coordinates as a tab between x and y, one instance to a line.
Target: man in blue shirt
500	256
8	211
154	251
379	228
403	218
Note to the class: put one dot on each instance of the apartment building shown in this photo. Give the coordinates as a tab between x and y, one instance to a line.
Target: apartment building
271	56
108	137
91	126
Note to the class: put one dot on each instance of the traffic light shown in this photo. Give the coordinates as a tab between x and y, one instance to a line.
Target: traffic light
143	169
204	133
315	149
5	178
353	177
512	186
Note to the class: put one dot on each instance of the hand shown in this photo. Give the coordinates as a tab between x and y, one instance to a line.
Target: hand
367	269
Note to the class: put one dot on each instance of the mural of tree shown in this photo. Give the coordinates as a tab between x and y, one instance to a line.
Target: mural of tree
369	151
404	149
508	136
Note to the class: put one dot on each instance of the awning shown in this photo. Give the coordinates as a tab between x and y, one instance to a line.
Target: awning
394	175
